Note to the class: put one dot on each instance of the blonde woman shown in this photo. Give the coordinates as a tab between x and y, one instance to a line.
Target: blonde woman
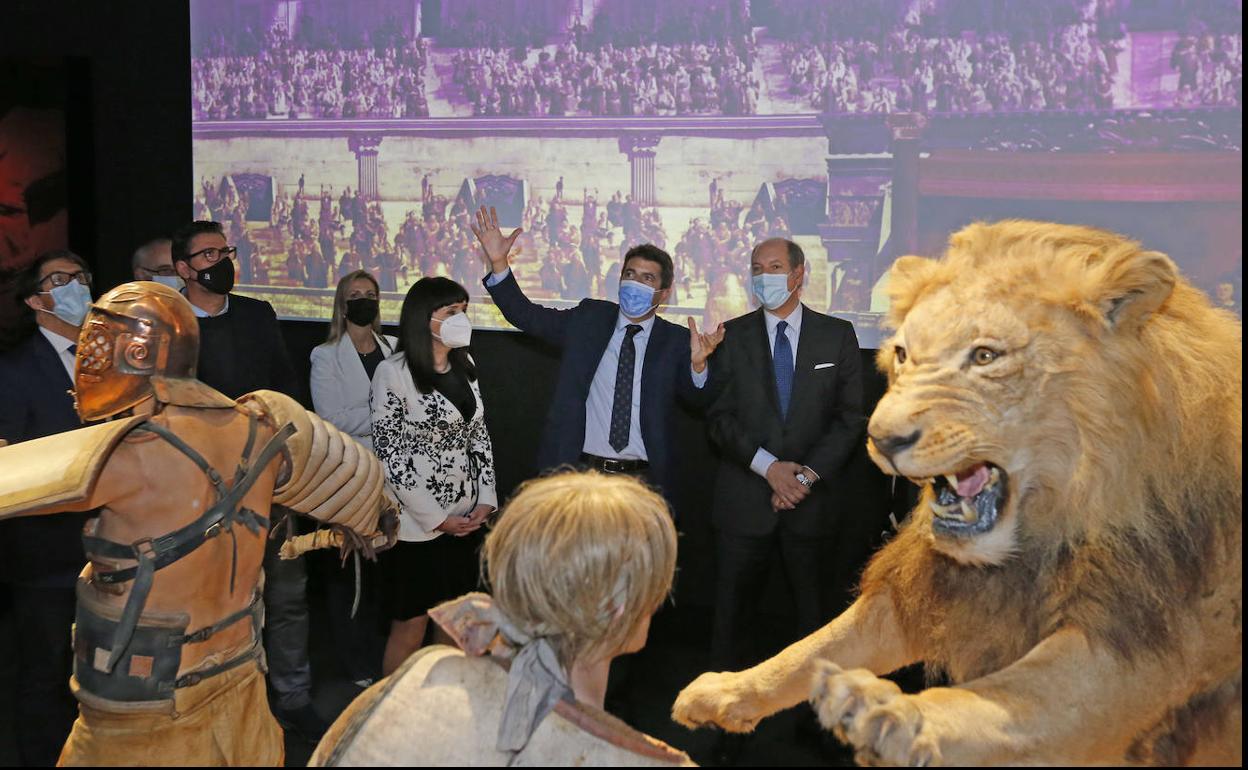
343	365
342	373
577	564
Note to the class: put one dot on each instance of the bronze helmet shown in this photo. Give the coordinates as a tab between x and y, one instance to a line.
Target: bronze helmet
139	340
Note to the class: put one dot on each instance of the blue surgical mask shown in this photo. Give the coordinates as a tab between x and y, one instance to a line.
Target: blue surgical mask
636	299
172	281
73	300
772	289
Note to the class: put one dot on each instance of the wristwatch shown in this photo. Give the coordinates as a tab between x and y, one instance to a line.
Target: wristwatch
805	480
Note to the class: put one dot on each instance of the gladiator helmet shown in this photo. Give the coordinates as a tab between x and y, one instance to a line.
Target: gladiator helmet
139	340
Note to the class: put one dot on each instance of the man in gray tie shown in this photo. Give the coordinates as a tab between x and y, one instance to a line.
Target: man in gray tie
787	415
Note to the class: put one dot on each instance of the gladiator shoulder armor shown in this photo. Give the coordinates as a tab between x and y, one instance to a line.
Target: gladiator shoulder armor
327	475
53	473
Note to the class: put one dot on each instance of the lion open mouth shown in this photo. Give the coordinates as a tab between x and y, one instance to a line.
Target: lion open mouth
967	503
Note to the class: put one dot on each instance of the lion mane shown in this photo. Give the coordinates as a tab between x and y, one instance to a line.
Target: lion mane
1111	395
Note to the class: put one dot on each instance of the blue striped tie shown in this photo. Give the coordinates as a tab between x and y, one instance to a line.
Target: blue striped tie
782	362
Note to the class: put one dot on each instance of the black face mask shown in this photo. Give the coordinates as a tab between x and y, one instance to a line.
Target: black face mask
362	311
219	278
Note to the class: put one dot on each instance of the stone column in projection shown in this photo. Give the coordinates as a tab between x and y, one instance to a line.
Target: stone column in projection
641	149
906	134
365	147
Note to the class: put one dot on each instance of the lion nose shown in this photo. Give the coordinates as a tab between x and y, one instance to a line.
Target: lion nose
890	445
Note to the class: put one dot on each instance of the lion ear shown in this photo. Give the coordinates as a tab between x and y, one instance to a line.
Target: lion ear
1131	287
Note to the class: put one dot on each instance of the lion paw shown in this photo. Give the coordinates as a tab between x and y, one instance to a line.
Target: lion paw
884	725
718	699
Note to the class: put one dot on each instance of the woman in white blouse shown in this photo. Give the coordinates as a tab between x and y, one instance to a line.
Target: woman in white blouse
343	365
429	433
342	373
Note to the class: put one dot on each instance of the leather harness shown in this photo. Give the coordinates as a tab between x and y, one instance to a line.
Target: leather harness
161	641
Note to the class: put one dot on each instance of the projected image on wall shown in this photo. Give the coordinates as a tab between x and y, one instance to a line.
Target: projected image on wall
332	135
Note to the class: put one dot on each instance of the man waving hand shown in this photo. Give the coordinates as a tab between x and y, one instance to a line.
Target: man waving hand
623	367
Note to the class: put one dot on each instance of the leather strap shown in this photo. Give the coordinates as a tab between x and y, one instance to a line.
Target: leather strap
207	632
152	554
195	677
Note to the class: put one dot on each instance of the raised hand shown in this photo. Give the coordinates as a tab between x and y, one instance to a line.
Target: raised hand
493	242
701	346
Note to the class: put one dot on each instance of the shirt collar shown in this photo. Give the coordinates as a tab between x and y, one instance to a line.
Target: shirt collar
622	321
794	320
59	343
201	313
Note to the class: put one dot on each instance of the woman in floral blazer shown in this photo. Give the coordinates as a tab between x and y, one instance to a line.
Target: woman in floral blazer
429	432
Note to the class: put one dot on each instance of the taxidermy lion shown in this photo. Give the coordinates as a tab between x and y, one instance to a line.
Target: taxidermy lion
1071	408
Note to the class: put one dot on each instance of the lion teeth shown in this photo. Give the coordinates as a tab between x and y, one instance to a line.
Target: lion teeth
952	478
968	513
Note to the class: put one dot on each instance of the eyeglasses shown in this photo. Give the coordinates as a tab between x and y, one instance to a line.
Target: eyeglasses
212	254
59	278
165	270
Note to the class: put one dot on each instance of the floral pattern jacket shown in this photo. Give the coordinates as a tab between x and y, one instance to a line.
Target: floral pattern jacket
437	464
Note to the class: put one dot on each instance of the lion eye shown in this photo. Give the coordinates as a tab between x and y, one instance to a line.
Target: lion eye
900	353
983	356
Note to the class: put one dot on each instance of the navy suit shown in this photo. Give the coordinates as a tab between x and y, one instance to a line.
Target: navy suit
823	425
582	333
40	556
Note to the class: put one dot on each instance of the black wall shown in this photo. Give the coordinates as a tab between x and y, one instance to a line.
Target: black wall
131	179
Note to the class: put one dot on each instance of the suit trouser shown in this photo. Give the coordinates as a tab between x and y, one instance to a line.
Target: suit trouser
743	567
286	628
357	641
45	707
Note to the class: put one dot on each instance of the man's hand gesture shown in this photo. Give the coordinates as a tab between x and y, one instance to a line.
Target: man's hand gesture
786	490
701	346
493	243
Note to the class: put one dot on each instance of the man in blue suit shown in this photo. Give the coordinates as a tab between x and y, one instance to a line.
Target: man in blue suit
623	367
41	556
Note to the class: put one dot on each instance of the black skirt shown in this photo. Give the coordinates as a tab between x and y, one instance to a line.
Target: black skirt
419	576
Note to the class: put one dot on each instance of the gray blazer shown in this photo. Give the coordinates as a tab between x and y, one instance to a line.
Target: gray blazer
340	386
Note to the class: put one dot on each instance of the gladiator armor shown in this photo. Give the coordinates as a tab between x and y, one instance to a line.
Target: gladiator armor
137	351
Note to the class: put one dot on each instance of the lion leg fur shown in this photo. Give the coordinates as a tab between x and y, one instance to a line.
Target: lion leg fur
1066	702
866	635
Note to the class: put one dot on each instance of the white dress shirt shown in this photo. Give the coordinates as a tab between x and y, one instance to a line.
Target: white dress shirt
601	400
62	346
201	313
762	458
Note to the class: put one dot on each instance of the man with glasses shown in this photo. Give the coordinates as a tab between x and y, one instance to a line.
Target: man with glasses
241	349
153	261
40	557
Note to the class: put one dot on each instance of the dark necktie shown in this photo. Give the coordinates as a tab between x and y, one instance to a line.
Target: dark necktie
73	349
782	362
622	407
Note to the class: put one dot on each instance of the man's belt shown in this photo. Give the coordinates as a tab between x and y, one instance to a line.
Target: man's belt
611	465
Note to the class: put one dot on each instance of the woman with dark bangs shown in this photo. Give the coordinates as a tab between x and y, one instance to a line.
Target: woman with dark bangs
429	433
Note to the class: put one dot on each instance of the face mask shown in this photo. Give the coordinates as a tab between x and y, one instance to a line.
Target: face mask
219	278
73	300
362	311
772	289
172	281
456	331
636	299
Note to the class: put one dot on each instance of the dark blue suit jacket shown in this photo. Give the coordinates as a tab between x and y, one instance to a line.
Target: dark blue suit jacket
583	333
35	402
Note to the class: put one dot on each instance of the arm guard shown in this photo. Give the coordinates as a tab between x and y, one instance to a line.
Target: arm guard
327	475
